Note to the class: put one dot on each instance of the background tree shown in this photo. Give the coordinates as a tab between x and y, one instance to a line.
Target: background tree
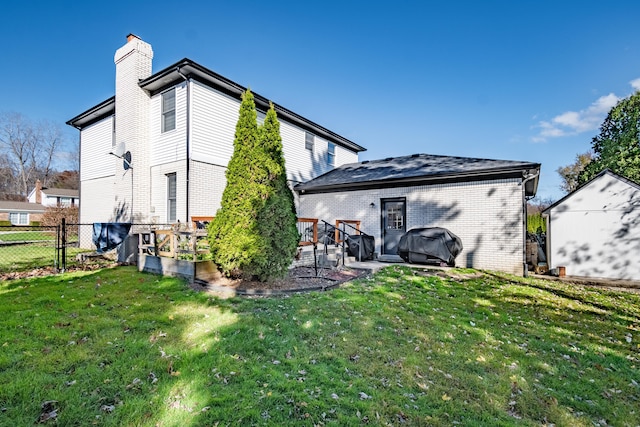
277	219
616	146
570	174
234	236
29	151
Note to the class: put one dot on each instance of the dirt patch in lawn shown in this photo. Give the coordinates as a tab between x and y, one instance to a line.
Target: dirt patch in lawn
299	279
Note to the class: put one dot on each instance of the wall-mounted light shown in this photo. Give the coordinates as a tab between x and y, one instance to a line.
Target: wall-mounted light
373	205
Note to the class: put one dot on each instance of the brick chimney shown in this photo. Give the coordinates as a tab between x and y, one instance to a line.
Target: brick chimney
133	63
38	191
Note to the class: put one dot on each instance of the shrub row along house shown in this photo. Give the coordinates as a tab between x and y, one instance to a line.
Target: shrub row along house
173	133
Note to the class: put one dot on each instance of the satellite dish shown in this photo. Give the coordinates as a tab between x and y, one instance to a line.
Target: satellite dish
119	150
126	161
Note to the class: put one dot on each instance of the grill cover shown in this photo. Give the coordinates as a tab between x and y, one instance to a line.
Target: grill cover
361	246
423	245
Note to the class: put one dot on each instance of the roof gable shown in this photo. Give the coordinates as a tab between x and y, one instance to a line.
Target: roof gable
575	194
418	169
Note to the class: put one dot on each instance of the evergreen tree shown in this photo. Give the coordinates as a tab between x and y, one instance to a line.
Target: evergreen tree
234	237
617	146
254	232
277	220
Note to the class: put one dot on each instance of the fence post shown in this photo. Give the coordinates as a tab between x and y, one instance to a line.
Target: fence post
56	258
64	244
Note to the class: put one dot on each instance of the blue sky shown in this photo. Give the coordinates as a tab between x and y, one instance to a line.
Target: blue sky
517	80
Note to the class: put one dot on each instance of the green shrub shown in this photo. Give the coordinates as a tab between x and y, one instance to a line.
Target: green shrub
34	223
5	223
536	223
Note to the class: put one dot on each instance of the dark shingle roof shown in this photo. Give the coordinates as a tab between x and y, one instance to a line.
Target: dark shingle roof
417	169
61	192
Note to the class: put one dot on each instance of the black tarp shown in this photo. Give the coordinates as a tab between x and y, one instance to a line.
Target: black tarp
423	245
108	235
361	246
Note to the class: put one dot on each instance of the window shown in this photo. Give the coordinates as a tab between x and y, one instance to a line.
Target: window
308	141
19	218
171	197
331	154
169	110
65	201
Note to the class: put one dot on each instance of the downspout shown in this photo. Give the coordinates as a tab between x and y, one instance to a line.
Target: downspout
187	142
525	178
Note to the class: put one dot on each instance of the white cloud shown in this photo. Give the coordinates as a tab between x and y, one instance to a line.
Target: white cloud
575	122
635	84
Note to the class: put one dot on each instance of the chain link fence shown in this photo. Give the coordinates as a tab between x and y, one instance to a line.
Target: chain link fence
28	247
65	246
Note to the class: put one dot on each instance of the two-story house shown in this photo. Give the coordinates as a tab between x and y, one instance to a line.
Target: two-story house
157	151
53	196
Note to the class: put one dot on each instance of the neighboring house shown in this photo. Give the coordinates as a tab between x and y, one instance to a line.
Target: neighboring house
53	196
595	230
21	213
173	132
481	201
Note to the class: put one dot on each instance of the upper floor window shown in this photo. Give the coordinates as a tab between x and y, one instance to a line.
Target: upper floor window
308	141
169	110
331	154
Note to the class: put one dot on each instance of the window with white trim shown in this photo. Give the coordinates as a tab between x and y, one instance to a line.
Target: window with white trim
19	218
308	141
331	154
169	110
171	197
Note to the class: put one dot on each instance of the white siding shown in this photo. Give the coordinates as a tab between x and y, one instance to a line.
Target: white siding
96	141
98	204
486	215
214	118
168	146
595	232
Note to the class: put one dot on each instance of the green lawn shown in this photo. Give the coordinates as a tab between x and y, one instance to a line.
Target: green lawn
117	347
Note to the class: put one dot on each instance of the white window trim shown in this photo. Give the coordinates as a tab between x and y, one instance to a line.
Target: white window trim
172	176
331	154
309	141
20	215
168	112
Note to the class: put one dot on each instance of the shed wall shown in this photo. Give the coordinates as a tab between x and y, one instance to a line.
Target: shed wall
596	231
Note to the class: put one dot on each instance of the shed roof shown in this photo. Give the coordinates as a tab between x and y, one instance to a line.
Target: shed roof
598	176
419	169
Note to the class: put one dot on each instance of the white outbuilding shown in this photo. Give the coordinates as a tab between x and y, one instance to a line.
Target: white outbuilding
595	230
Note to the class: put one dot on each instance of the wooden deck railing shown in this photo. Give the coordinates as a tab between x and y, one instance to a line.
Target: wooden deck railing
308	229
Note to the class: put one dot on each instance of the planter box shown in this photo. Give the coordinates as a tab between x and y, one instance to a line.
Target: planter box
190	270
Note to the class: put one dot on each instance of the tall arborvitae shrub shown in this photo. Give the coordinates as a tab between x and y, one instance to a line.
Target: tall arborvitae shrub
277	218
234	236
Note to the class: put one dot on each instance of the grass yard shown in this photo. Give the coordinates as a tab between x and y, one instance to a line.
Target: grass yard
117	347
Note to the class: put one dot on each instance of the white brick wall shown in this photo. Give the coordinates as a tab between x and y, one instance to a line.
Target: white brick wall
133	62
486	215
207	185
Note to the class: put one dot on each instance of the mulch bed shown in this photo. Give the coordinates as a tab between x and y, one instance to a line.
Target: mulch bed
299	279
